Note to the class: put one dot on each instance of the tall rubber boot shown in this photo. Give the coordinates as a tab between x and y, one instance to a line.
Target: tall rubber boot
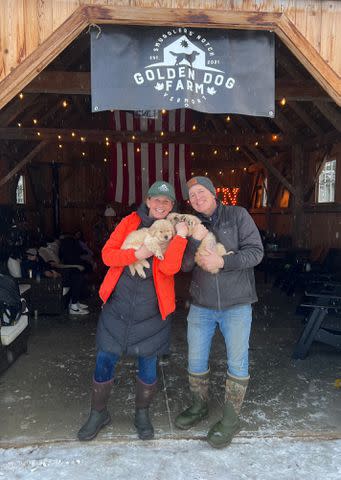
144	395
99	415
221	434
198	385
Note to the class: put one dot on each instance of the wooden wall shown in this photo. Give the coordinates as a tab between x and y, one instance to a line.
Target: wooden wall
322	222
26	24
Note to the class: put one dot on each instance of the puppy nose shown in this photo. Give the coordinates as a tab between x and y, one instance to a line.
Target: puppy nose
166	237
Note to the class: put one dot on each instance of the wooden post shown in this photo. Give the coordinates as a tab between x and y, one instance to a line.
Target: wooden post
298	233
55	199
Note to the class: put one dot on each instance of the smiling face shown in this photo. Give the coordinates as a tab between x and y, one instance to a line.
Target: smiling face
159	207
202	200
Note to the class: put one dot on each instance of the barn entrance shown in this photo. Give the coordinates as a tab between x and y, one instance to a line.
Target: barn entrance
65	176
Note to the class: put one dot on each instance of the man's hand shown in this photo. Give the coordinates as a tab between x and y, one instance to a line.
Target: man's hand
182	229
210	260
199	232
143	253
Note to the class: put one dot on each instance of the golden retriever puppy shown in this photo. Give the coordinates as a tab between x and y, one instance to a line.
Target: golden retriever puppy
209	242
156	238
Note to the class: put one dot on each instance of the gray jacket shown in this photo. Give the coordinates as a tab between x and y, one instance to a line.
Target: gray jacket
234	284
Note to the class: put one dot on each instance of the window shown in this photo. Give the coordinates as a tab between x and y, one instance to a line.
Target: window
265	192
326	184
20	191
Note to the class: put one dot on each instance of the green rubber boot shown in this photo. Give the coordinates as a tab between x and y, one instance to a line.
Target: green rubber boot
222	433
198	384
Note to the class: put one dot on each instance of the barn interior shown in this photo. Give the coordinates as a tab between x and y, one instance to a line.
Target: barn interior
55	176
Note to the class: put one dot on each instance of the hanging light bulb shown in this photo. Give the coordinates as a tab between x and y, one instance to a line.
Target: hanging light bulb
35	121
64	103
21	95
194	127
283	101
228	118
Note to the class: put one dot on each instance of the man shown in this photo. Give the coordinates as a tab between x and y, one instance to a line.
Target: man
225	299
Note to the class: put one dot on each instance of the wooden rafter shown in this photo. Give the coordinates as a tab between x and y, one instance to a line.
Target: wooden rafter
78	83
88	14
199	138
23	162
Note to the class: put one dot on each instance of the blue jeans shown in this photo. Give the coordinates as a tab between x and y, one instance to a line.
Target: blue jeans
106	363
234	324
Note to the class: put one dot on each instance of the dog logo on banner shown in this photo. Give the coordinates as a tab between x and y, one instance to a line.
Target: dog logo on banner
186	64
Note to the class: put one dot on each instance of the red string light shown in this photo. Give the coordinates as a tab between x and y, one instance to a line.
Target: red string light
228	195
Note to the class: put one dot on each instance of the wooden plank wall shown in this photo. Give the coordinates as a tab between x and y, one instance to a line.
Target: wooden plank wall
25	24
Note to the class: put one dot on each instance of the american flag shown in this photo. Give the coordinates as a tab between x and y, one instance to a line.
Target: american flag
135	166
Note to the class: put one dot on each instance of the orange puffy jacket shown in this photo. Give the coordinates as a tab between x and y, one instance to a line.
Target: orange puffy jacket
163	270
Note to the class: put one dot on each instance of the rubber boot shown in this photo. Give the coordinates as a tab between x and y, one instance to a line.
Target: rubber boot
198	384
99	415
221	434
144	395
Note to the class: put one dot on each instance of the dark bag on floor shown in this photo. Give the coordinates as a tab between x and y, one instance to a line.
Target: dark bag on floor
10	301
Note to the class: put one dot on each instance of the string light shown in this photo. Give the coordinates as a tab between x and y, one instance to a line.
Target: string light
107	144
274	137
233	170
133	137
73	134
206	173
35	121
166	153
64	103
60	145
59	137
104	159
194	128
215	152
283	101
228	118
192	154
162	134
138	149
19	124
163	111
220	172
83	154
256	144
237	149
82	139
21	95
38	133
107	139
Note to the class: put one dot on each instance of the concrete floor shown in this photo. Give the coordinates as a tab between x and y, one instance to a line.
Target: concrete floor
44	395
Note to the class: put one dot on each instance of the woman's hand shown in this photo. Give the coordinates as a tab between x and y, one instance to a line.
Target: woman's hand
199	232
143	253
181	229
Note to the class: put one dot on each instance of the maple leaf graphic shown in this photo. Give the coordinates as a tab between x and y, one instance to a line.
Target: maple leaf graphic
211	90
159	86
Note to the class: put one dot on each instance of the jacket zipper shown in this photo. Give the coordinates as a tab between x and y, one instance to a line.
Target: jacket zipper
218	291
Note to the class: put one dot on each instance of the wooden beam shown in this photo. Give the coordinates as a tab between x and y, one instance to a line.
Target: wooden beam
331	114
306	118
276	173
79	83
88	14
198	138
9	114
22	163
26	71
309	57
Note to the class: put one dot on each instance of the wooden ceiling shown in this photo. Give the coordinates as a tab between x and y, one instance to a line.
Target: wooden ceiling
309	117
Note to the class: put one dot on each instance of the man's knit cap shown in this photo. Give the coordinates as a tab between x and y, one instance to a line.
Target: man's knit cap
204	181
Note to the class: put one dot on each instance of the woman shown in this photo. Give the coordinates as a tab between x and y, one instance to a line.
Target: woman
135	317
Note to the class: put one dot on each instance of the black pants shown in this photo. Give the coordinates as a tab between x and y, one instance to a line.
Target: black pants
73	278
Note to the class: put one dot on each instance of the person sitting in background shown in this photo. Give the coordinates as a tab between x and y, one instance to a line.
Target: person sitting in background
87	255
43	264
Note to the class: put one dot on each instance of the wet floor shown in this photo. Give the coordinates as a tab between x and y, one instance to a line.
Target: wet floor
44	395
